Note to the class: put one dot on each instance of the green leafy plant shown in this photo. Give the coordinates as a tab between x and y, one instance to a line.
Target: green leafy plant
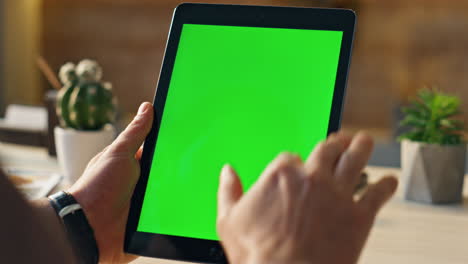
431	118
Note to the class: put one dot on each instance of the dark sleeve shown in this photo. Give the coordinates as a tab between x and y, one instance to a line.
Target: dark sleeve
29	234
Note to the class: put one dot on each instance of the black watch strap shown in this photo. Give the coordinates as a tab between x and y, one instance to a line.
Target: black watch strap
76	224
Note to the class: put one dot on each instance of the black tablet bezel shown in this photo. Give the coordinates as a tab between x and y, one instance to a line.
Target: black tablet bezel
210	251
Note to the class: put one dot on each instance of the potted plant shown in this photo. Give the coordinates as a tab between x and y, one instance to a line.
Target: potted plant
86	110
433	151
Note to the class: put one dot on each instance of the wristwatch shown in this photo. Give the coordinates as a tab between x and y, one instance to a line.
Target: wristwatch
78	230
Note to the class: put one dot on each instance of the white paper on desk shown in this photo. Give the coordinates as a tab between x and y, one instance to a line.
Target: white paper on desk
25	117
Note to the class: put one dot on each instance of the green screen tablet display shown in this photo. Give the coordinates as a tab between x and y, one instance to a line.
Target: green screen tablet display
237	95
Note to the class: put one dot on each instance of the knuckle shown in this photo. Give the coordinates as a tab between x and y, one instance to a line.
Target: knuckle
286	160
313	171
119	146
285	172
320	146
137	122
348	164
286	156
315	175
317	167
317	178
324	151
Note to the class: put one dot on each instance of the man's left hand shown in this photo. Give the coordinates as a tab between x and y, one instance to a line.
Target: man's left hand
105	189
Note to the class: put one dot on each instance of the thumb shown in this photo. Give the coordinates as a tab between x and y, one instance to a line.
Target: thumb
229	190
130	140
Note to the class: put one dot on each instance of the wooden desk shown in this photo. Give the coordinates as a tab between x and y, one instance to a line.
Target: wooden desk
404	232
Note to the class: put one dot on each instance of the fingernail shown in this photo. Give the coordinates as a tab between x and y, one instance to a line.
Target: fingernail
226	172
143	108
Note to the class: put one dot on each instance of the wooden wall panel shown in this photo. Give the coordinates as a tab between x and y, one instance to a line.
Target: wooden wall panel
400	46
127	37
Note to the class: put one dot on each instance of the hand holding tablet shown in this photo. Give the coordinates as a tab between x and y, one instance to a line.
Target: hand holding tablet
302	212
239	84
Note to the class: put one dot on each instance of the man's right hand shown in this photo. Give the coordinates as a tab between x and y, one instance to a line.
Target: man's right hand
302	212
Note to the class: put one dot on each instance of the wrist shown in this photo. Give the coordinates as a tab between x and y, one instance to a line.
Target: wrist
89	209
79	197
87	206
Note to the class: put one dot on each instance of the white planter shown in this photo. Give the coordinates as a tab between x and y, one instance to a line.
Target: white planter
432	173
75	148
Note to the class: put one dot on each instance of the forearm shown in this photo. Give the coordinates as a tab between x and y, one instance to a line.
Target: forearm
30	234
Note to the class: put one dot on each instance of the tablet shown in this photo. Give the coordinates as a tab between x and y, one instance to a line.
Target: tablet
238	85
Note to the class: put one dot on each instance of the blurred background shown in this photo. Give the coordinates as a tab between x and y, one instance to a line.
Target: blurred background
400	46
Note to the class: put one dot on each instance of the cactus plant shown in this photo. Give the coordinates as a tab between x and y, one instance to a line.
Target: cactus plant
84	102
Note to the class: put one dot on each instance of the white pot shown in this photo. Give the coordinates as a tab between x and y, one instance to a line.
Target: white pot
433	173
75	148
